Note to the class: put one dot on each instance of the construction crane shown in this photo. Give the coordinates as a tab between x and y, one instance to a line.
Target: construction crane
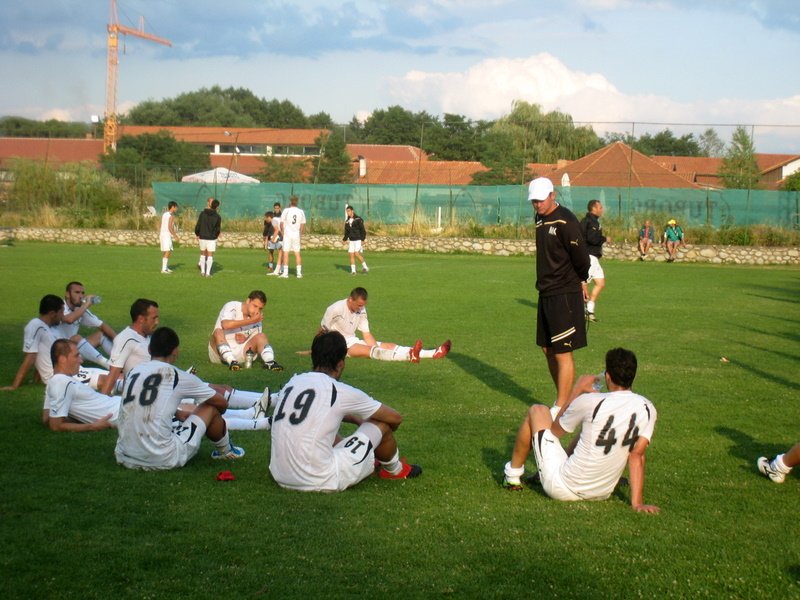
114	31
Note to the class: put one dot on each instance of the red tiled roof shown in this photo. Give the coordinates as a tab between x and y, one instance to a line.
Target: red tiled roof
239	135
427	172
618	165
55	150
387	153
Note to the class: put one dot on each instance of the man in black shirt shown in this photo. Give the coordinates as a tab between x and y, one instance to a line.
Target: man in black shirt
593	234
562	267
354	234
207	231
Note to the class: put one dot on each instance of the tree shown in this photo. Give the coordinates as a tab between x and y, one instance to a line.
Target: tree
664	143
527	135
396	125
138	157
791	183
22	127
284	170
739	169
455	138
321	120
710	143
334	164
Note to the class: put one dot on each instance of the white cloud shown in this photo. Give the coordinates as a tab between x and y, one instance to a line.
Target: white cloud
487	90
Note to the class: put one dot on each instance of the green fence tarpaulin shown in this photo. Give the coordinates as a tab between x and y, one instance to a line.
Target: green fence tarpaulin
487	205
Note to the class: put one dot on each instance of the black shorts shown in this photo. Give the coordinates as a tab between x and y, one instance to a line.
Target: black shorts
561	323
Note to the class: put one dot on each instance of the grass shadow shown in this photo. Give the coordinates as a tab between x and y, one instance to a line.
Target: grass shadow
746	449
492	377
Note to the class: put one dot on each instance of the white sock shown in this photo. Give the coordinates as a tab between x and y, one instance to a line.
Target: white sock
90	353
241	399
209	262
225	353
394	466
353	268
223	444
164	262
779	465
106	344
235	424
240	413
426	353
398	353
299	270
513	474
267	355
364	266
590	306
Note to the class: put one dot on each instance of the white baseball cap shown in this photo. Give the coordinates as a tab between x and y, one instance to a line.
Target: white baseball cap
539	189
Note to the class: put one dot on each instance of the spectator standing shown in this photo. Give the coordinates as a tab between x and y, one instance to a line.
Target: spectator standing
593	234
207	230
354	234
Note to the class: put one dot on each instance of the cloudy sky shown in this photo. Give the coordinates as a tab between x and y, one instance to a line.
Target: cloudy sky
668	63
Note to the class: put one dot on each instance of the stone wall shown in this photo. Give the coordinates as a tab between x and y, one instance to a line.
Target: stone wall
740	255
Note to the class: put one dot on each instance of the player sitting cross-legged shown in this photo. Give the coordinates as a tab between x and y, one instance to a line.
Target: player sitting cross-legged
307	452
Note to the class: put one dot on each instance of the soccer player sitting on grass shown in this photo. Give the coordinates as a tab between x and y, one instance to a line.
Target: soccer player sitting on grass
238	330
350	315
153	392
616	428
37	339
76	315
69	404
307	452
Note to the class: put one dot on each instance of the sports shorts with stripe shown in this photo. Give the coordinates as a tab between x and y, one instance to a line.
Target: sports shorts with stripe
561	323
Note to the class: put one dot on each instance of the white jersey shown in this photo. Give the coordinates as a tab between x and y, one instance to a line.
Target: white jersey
67	330
153	391
338	317
38	338
232	311
276	223
304	427
66	396
292	218
610	423
129	349
165	219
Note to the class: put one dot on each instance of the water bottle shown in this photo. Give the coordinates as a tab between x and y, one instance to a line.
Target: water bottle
599	381
249	358
96	300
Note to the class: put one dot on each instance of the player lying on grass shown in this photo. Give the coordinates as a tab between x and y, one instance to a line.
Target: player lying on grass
349	316
153	392
616	428
307	452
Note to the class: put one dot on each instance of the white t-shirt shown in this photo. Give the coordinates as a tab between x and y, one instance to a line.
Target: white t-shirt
165	218
310	410
153	391
338	317
129	349
292	218
38	338
276	223
611	422
232	311
65	396
67	330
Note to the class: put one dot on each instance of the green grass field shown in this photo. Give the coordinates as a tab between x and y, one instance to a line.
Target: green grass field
76	525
